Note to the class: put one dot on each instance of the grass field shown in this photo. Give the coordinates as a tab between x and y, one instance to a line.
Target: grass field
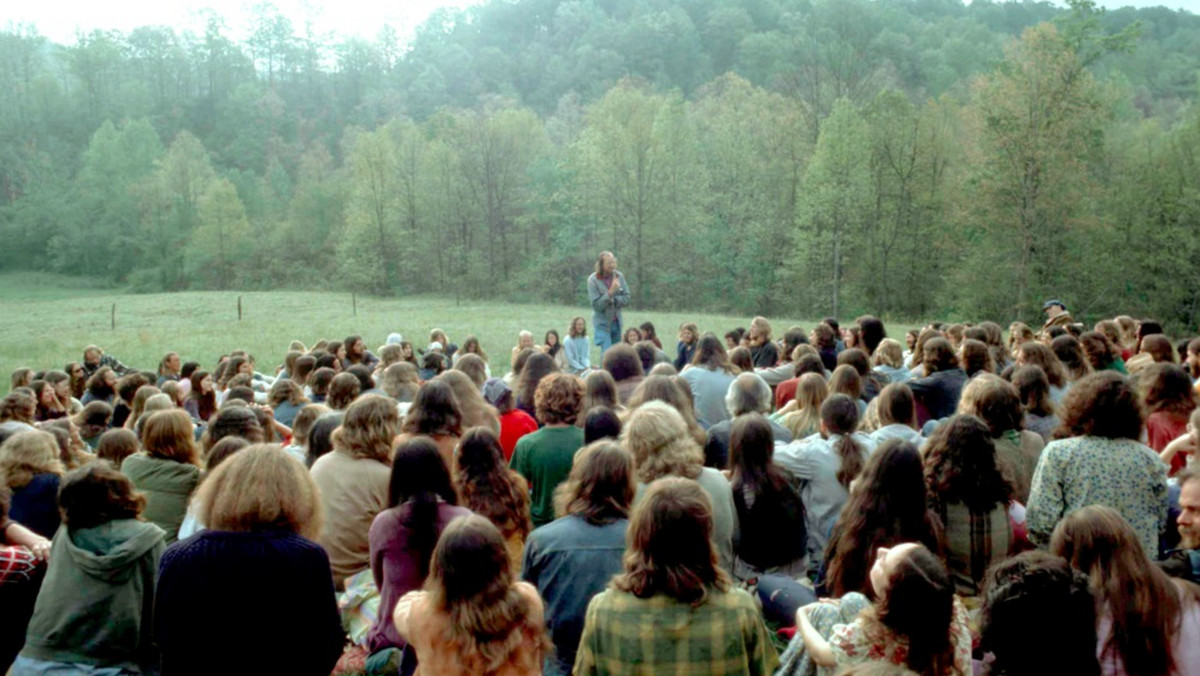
49	320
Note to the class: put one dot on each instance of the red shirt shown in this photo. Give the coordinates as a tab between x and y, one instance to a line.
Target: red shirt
785	392
1162	428
514	425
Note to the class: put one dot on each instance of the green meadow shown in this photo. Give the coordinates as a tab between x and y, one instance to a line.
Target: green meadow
48	320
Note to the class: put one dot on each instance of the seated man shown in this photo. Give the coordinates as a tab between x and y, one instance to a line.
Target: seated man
1184	562
94	358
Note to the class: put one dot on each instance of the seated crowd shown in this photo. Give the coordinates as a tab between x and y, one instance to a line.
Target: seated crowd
832	502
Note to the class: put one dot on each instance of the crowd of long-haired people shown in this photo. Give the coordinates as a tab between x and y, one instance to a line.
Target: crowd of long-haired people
949	501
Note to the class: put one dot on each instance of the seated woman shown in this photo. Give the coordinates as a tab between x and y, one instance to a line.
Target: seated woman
167	470
31	469
95	600
487	487
771	536
421	502
970	494
888	506
263	512
917	622
1147	622
672	579
473	617
354	481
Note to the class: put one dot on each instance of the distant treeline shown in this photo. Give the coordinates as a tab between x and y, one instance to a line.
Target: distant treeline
914	158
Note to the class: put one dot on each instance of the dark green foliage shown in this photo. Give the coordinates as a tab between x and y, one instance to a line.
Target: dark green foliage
749	156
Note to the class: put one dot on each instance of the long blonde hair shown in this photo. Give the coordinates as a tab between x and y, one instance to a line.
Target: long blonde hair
811	392
371	422
27	454
658	437
261	488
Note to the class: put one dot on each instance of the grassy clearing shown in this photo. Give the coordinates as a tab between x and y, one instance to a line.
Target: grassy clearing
49	320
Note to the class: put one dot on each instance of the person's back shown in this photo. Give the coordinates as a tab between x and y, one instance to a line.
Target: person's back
168	486
673	609
544	459
353	491
709	387
570	561
659	635
1119	473
95	603
210	583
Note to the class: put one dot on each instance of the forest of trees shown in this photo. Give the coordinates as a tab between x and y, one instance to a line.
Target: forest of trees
911	158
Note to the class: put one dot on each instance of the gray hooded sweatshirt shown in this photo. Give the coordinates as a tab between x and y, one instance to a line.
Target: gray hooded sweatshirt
96	602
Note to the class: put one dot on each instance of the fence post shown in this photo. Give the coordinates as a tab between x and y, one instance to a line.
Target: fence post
354	302
113	317
239	308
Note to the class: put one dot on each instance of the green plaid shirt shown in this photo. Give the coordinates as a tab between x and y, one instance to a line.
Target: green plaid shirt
659	635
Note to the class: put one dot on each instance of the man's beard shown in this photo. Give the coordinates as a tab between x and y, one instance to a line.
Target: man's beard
1189	540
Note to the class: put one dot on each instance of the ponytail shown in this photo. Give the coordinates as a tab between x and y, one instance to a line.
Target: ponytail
839	415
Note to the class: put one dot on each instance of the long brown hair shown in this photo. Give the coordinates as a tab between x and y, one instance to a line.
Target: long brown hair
1145	605
710	354
206	404
471	580
170	435
919	605
488	487
1167	387
888	506
669	547
960	466
601	487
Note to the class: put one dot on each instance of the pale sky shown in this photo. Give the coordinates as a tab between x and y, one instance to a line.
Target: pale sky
59	19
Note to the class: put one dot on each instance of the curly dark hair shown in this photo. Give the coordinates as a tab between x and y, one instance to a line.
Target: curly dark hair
96	494
1102	405
888	506
1034	596
1100	351
960	465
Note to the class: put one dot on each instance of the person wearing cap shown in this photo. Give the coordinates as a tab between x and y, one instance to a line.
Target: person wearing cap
1056	314
514	423
607	293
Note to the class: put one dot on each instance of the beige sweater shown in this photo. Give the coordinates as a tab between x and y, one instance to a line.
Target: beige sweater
353	492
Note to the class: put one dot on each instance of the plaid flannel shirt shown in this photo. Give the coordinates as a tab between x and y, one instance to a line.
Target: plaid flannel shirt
624	634
17	565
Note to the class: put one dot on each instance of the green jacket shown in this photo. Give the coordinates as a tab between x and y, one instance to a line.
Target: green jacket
96	602
168	486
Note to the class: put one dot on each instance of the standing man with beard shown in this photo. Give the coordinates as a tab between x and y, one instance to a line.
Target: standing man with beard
1184	562
608	293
